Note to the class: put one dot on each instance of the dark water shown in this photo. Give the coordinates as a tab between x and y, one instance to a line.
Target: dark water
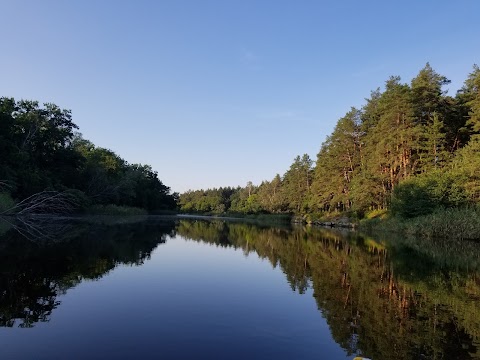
197	289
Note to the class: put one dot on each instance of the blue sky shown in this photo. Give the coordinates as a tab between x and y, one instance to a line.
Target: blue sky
218	93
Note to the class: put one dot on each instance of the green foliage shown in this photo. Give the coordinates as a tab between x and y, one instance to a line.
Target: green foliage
337	165
423	194
80	199
401	133
6	202
469	96
410	148
296	184
466	167
453	224
410	200
264	219
427	94
433	153
39	150
374	214
212	201
115	210
287	194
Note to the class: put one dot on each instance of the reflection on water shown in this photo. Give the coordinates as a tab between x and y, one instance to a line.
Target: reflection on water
34	271
384	298
388	302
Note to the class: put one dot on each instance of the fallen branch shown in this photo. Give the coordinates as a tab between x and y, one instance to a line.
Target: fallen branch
45	202
5	185
39	228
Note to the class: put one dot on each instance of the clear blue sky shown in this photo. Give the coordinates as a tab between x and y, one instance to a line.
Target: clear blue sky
218	93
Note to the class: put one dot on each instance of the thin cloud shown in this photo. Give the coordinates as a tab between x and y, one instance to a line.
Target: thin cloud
249	57
280	114
368	71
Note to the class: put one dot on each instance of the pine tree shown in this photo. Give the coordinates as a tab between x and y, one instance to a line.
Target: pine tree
471	90
433	154
337	164
393	142
297	182
429	100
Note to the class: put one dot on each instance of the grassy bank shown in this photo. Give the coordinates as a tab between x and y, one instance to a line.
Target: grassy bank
280	219
455	224
115	210
268	218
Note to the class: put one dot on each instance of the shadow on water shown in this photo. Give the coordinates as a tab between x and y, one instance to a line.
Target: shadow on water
385	298
36	270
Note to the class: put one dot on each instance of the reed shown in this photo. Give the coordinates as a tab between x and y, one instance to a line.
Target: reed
455	224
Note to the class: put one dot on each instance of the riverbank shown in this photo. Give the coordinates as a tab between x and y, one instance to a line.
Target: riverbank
454	224
333	221
272	219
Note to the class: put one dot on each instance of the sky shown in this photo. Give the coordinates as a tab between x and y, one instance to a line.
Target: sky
219	93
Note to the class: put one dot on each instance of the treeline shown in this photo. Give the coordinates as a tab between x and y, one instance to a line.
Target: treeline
411	148
40	150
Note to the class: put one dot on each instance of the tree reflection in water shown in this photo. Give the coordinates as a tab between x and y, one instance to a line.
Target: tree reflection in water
385	298
35	271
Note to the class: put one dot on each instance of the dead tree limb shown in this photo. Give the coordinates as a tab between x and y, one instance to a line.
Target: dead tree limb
40	229
45	202
5	185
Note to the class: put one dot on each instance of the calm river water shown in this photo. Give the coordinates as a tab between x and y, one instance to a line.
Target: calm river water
151	288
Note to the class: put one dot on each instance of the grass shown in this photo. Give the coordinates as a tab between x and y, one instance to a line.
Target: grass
271	218
374	214
279	219
115	210
263	218
455	224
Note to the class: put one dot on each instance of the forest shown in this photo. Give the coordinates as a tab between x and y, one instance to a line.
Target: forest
411	148
47	166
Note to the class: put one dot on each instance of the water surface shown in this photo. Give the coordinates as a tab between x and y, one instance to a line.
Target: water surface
182	289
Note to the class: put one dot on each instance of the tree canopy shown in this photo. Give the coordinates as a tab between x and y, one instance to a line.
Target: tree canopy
411	136
40	149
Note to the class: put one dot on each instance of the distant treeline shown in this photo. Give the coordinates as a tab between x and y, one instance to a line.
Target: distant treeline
411	148
40	150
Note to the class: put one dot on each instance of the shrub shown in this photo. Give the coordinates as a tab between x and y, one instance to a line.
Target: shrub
6	202
424	194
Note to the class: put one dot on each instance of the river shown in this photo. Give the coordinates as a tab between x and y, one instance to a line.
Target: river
153	287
